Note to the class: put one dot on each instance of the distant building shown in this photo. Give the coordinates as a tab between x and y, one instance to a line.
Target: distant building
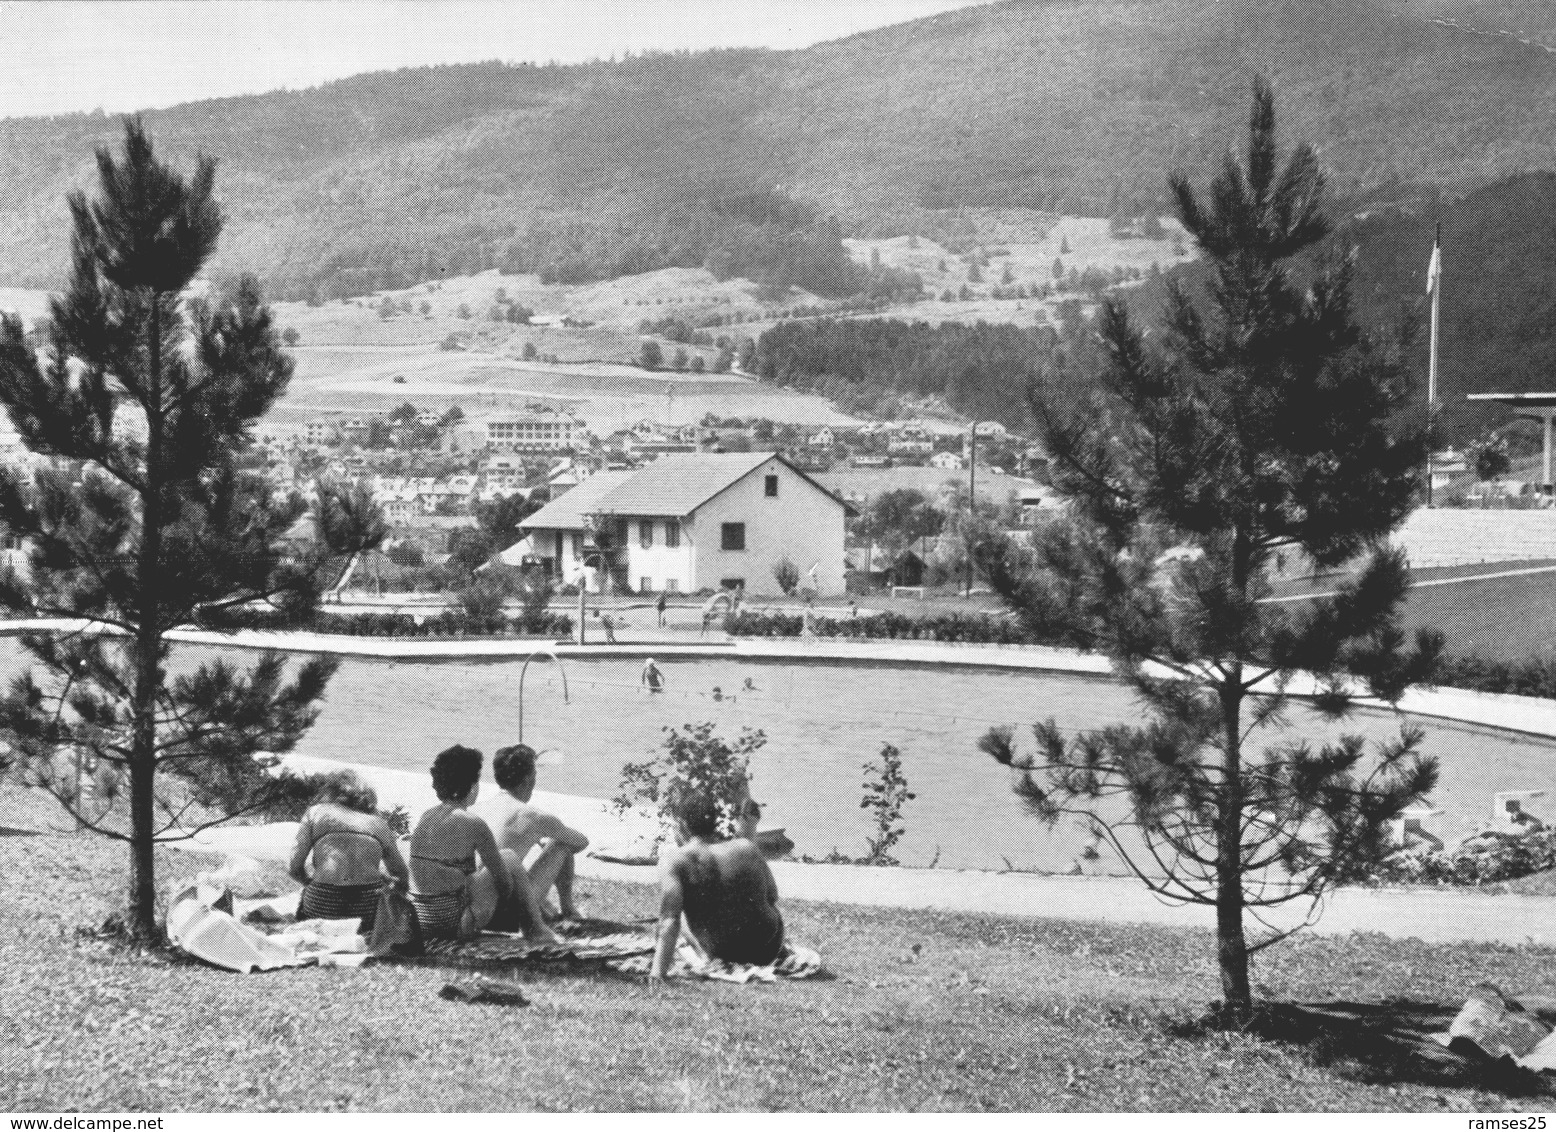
948	460
539	431
355	430
692	522
399	512
1450	467
911	439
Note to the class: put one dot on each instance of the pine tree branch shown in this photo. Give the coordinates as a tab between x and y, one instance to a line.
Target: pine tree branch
79	815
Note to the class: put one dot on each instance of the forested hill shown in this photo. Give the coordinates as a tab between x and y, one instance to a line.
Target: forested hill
1498	308
737	158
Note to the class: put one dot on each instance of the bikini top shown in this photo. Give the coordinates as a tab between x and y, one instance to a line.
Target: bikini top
465	865
320	835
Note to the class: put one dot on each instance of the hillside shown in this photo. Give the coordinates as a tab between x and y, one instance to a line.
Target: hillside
1498	330
587	172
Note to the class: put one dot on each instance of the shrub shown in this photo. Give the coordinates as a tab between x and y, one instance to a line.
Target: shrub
482	599
1535	676
534	595
693	762
885	793
1485	858
962	627
450	623
786	574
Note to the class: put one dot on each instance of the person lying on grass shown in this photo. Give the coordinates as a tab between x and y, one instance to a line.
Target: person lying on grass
723	889
455	898
349	846
521	828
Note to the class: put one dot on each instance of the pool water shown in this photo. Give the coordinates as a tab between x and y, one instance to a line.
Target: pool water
823	721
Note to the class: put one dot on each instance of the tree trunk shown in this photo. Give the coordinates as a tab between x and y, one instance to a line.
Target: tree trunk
148	639
1231	944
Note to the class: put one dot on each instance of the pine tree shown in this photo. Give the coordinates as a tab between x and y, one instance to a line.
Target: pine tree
1260	418
144	521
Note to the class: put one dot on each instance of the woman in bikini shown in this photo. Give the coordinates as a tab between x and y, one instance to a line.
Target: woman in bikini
454	897
349	847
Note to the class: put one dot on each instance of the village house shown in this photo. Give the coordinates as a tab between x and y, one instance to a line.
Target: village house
690	523
947	460
911	439
354	430
399	512
645	448
1450	467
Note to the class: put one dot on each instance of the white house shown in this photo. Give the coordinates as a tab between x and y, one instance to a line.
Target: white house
947	460
689	523
911	438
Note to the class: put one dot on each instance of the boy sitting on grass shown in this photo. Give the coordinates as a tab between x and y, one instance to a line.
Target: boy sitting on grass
521	827
722	887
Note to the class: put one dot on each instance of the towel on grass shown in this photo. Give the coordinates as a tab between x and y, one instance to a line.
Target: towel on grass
796	962
583	941
205	929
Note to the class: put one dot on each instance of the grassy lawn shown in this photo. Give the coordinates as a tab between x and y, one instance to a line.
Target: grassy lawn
927	1011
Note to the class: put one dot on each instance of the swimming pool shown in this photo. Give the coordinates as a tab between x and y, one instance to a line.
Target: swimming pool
823	720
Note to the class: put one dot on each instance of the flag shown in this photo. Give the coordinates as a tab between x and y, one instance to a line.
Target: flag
1434	270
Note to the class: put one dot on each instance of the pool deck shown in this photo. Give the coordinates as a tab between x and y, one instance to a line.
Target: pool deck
1429	914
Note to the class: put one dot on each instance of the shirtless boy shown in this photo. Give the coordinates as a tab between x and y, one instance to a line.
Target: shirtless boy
724	889
521	827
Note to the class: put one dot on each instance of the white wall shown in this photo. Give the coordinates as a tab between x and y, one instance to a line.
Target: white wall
801	522
658	563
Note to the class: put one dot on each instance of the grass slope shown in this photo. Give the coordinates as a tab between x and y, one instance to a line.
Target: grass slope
927	1011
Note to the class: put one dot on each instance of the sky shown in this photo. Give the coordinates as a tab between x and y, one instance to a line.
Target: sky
62	56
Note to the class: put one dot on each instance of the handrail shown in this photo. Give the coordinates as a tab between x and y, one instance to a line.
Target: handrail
551	654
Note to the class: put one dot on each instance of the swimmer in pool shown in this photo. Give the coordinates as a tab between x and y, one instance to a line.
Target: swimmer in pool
652	678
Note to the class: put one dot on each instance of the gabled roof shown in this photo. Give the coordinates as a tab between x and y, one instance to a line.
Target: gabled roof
672	486
567	513
678	485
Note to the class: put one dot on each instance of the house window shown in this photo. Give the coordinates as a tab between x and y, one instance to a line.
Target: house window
672	533
771	487
646	533
732	536
621	532
672	585
645	585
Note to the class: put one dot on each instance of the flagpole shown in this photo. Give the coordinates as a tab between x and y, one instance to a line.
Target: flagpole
1434	282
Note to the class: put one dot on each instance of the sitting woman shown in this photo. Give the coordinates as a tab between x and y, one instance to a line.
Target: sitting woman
349	847
455	898
722	887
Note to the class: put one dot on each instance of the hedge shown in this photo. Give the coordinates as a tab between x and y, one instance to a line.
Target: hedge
448	623
980	629
1535	676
